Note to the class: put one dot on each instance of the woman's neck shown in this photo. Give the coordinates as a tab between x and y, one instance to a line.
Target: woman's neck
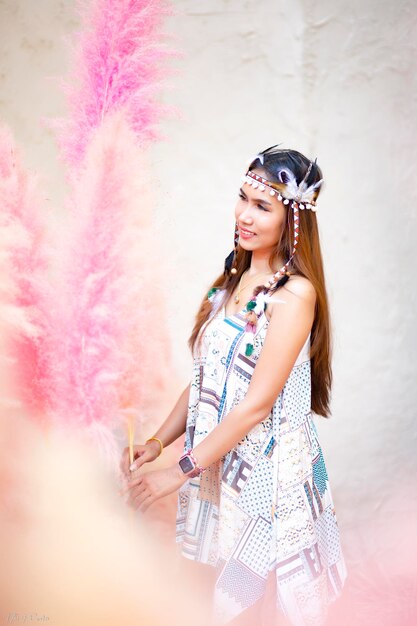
260	264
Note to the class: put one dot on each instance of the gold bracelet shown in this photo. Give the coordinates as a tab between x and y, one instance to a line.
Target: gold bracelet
159	441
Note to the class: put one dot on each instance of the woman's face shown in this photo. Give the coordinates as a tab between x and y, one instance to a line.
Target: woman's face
260	217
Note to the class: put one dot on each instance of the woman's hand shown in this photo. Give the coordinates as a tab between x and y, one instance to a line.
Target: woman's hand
141	454
146	487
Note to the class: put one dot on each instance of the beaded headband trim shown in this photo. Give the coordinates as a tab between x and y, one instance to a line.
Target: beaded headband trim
258	182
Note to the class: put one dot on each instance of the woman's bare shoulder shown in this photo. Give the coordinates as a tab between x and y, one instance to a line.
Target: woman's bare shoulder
300	286
296	287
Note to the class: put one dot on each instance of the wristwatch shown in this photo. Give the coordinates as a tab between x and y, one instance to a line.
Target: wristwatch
189	465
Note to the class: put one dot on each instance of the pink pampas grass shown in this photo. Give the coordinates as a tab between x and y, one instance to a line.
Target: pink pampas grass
102	349
25	294
117	66
109	350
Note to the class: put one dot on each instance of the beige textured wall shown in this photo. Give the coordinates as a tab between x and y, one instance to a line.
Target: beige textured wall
333	79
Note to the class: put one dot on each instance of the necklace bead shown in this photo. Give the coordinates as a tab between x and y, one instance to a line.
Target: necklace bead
239	289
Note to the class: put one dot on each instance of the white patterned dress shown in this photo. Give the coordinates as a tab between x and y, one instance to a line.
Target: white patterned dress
267	504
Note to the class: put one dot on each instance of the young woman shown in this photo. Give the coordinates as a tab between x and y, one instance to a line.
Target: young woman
254	497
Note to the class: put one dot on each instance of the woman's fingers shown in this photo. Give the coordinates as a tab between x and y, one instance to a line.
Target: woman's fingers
149	486
124	463
133	482
139	458
140	492
143	455
144	501
136	496
139	452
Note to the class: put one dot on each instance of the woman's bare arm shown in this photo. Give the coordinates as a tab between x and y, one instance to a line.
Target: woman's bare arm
174	425
171	429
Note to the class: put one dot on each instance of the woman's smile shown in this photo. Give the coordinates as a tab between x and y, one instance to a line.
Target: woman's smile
246	234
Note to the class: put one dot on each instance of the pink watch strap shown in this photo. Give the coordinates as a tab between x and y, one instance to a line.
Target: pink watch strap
198	469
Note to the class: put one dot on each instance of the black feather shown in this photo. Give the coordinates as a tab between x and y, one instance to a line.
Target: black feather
228	262
280	283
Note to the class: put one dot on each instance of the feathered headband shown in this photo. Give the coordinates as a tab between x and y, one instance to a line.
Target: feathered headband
289	189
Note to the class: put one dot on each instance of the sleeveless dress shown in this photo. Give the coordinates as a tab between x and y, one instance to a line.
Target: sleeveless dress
267	504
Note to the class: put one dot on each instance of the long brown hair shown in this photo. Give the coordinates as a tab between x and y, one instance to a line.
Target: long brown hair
306	262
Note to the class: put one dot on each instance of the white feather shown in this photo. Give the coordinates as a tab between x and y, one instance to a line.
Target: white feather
263	298
307	193
293	190
291	185
216	300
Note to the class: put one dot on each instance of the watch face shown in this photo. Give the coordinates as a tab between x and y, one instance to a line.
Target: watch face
186	464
